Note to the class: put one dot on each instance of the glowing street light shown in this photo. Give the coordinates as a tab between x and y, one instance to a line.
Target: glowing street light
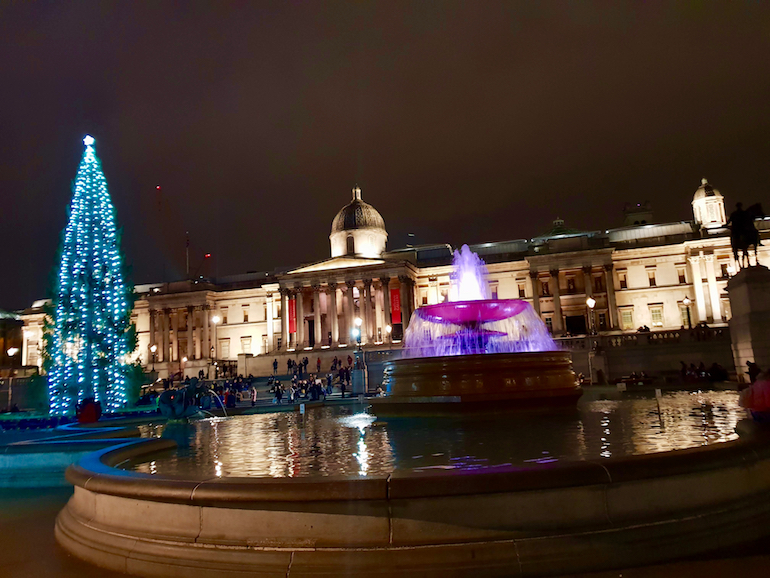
687	302
153	349
216	319
591	303
12	351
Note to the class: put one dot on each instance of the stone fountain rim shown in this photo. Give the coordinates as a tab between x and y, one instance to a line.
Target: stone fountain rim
98	472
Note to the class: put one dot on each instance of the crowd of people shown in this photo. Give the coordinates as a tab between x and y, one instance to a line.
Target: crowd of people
714	372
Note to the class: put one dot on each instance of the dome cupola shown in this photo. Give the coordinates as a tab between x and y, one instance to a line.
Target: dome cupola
708	206
358	230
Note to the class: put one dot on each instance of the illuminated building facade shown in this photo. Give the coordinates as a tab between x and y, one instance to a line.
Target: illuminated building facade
664	276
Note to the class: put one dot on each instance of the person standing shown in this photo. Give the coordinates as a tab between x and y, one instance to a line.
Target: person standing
275	366
253	396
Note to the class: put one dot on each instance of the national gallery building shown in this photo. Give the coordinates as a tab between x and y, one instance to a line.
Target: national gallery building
664	276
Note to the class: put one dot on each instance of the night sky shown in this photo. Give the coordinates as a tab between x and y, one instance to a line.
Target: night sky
462	122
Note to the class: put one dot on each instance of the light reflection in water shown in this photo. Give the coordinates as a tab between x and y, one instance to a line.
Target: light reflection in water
335	441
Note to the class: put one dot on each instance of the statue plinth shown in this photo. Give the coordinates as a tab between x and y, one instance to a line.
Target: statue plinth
749	293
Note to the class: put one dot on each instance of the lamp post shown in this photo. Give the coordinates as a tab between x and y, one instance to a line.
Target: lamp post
591	303
11	352
687	302
153	350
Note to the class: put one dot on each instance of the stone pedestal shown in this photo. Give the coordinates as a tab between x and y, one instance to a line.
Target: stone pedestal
749	292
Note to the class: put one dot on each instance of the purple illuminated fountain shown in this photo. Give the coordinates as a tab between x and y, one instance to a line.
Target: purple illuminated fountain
475	353
471	322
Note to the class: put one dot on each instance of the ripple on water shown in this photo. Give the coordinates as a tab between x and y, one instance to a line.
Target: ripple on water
335	441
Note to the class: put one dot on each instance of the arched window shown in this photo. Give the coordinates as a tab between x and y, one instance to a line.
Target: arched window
351	245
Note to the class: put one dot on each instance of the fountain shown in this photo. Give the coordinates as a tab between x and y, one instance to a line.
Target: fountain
473	351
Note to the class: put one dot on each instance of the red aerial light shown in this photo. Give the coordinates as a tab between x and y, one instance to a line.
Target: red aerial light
207	255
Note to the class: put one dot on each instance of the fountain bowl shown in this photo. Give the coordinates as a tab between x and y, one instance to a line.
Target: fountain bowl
471	312
478	382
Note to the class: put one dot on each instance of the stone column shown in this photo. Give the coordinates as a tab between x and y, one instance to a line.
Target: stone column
351	312
335	327
190	341
369	322
152	330
716	305
205	345
378	324
558	323
269	322
174	335
317	329
404	294
697	283
198	313
609	282
301	341
284	319
164	328
535	284
386	308
588	282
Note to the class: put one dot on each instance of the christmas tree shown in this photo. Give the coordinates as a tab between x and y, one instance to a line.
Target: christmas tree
91	333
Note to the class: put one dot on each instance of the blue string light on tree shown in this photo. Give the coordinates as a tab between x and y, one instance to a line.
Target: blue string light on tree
90	335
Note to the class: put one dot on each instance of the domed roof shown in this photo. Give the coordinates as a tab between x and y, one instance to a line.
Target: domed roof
705	190
357	215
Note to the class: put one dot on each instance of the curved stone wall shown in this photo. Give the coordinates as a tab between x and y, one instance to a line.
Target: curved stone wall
536	520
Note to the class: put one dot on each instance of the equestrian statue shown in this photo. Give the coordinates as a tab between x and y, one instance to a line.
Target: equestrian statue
743	233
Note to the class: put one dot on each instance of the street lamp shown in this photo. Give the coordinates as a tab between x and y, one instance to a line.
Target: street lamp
153	349
214	320
357	331
591	302
687	302
12	351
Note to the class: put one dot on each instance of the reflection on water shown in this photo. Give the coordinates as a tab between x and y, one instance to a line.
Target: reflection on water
337	441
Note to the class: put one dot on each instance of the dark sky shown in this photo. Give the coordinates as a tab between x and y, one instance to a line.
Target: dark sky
462	122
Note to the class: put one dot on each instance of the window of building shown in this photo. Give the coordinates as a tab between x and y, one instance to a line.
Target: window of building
598	284
264	344
651	277
571	288
424	299
549	324
245	313
684	315
264	311
627	318
445	295
246	344
351	245
522	291
224	315
277	310
623	280
32	353
494	292
724	269
682	278
546	290
224	348
656	315
602	321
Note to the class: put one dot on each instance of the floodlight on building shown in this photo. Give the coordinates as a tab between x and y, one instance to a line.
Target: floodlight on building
216	319
358	321
388	329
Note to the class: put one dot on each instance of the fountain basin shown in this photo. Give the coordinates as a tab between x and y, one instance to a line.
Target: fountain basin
540	519
426	385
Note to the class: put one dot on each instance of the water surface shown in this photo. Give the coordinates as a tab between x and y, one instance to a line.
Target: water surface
336	441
